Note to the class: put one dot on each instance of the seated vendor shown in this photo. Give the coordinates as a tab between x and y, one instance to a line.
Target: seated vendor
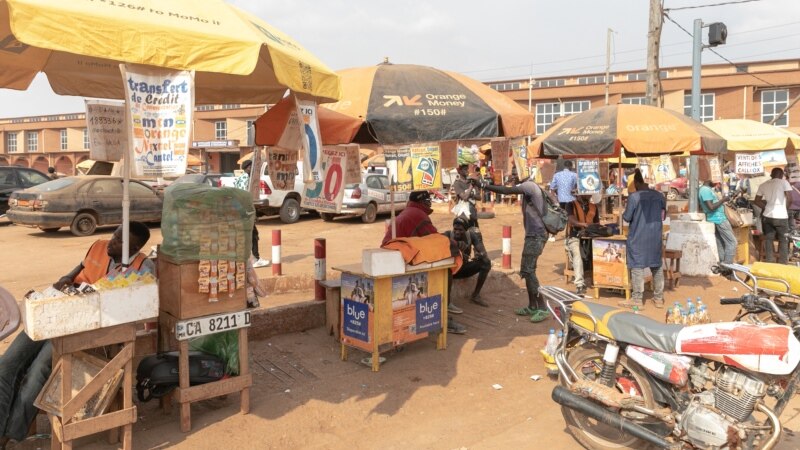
413	221
467	239
26	365
581	213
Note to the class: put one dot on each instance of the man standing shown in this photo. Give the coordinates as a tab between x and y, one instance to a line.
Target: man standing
715	213
480	264
645	213
773	197
26	365
581	213
535	239
243	182
467	193
413	221
564	183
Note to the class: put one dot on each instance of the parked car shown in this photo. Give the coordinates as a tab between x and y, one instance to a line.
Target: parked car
276	201
82	203
13	178
674	189
211	179
369	198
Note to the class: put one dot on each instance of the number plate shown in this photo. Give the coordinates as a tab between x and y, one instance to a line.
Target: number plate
23	202
202	326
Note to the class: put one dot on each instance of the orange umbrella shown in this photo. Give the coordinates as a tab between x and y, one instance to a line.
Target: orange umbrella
394	104
335	128
639	129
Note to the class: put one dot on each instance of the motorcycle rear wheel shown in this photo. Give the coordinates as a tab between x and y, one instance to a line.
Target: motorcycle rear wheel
588	361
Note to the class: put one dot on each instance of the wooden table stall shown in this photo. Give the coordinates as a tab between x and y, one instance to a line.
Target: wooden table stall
186	313
380	313
609	264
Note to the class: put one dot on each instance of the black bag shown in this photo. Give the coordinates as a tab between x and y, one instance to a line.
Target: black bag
553	216
157	375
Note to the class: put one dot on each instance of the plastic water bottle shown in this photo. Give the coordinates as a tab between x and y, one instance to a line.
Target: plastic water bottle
552	342
699	303
560	338
702	316
692	316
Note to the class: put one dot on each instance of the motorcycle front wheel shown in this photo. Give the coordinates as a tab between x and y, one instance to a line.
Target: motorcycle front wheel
587	362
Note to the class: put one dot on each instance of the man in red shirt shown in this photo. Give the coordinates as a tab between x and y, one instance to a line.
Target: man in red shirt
413	221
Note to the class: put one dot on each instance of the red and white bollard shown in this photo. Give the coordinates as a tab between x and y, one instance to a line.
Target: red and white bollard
276	252
319	268
506	246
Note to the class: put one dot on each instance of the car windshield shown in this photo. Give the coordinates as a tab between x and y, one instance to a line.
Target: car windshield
54	185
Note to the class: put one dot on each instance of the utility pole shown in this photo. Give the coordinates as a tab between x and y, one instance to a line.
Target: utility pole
653	89
608	61
697	49
530	98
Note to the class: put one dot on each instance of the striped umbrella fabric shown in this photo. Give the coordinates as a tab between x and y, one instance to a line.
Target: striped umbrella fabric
640	130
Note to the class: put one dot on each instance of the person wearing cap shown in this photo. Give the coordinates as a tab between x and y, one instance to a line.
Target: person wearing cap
414	221
581	213
535	239
477	264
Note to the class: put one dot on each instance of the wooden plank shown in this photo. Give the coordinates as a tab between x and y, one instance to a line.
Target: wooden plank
183	383
57	431
66	383
98	338
106	373
101	423
213	389
244	369
382	324
127	402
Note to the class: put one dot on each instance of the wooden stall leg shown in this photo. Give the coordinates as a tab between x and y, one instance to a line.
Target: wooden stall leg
244	369
441	340
376	360
183	382
127	401
66	391
597	293
343	353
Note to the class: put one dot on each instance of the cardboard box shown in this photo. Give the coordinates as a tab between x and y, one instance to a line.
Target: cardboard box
378	262
47	318
179	295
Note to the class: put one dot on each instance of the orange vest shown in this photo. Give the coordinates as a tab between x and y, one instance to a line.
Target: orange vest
95	264
588	217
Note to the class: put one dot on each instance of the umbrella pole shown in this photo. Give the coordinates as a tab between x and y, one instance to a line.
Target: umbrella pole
126	208
619	179
391	208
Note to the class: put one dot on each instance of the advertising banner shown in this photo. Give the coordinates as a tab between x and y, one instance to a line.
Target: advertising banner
772	158
326	195
715	170
282	168
429	314
520	152
357	316
160	107
425	165
500	159
398	162
310	139
407	292
353	169
663	169
792	169
449	154
749	164
608	262
589	177
107	128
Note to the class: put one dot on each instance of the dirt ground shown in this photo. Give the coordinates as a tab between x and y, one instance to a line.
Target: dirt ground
305	397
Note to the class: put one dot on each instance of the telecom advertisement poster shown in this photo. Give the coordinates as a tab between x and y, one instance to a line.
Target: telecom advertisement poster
608	262
311	140
426	167
159	104
408	293
589	177
520	151
108	131
398	162
327	194
282	168
357	311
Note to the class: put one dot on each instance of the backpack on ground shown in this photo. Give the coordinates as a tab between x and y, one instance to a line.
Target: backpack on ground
157	375
554	217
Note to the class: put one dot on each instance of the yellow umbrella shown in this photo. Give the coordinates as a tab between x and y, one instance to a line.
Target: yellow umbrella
238	58
750	135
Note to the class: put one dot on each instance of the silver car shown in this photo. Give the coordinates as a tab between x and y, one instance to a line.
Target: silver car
369	198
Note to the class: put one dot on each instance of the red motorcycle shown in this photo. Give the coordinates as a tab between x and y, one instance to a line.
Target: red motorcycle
630	382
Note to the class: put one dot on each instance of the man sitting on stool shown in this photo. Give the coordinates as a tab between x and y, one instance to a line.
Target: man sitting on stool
581	213
467	239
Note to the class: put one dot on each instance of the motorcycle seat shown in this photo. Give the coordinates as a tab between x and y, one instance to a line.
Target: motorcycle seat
625	326
790	274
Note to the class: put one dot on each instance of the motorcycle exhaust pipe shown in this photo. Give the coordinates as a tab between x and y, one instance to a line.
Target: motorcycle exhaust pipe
564	397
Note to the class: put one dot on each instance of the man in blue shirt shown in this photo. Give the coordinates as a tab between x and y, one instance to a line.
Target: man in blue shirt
645	213
564	183
715	213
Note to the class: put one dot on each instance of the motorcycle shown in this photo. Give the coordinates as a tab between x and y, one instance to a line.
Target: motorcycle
628	381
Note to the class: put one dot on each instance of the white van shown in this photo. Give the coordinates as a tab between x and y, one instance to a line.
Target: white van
273	201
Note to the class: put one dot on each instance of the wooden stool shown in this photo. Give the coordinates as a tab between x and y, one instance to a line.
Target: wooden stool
672	267
333	293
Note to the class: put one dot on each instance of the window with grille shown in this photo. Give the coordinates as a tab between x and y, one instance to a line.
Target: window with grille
634	100
549	83
11	142
547	113
772	103
86	139
32	141
706	106
221	130
63	139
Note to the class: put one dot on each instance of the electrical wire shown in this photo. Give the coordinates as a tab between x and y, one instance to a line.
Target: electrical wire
710	5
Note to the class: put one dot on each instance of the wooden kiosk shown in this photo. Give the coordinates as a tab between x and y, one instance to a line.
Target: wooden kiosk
380	313
185	314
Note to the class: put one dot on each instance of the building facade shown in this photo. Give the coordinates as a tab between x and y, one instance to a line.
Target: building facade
222	134
757	91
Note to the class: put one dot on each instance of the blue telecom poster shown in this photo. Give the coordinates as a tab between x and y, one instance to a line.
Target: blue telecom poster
589	177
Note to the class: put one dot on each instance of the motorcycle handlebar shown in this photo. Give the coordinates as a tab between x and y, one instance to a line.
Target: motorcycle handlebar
730	301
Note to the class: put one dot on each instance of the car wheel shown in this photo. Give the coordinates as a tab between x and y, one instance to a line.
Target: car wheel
290	211
485	214
370	213
673	194
50	230
84	224
327	217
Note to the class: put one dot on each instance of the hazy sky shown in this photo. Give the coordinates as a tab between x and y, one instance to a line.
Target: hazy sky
495	40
